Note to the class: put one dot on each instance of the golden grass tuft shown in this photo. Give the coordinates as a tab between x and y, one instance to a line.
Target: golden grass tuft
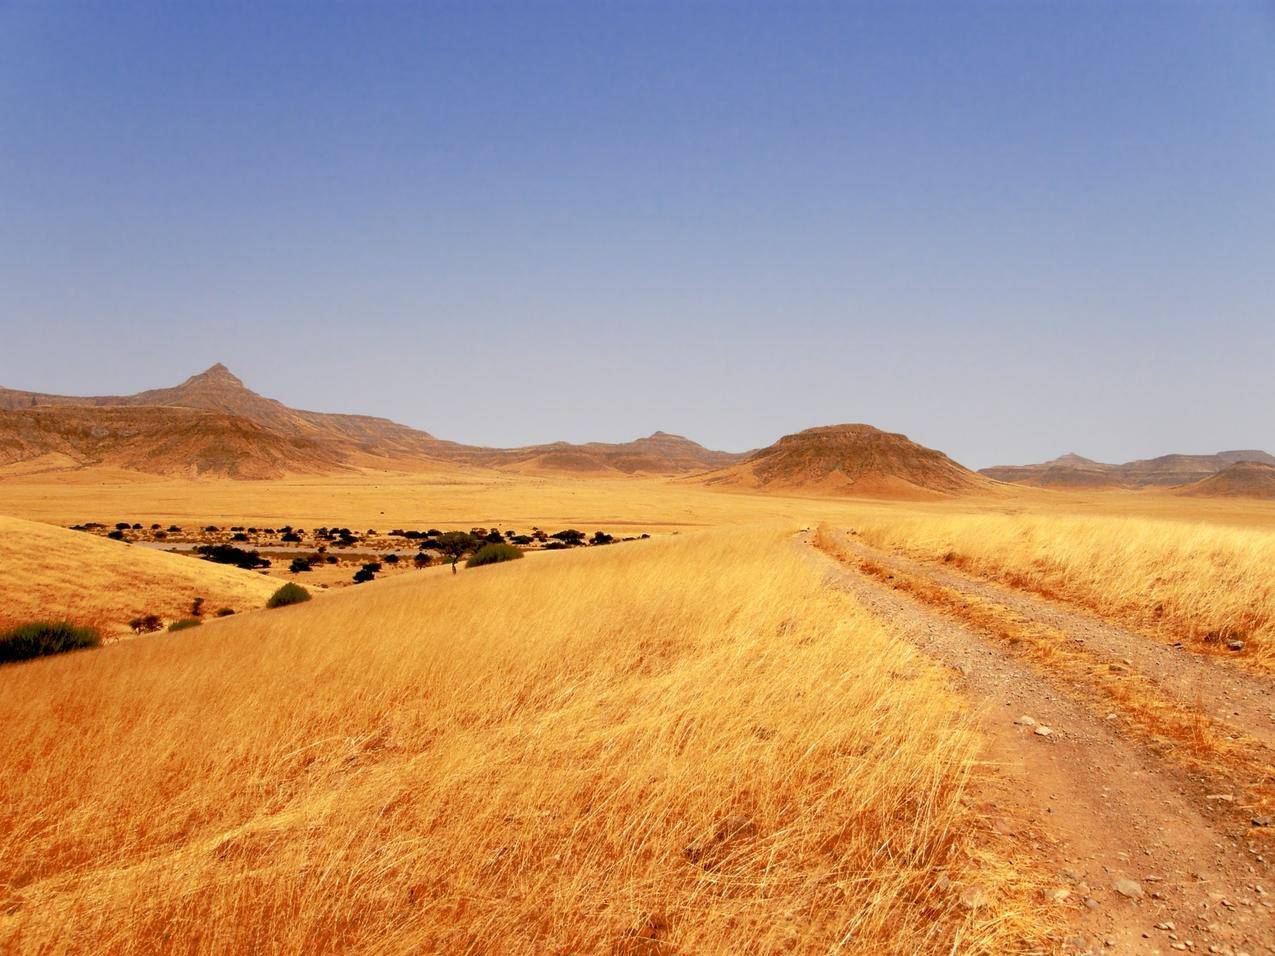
1201	583
686	745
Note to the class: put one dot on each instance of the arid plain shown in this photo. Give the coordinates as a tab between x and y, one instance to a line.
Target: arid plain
840	694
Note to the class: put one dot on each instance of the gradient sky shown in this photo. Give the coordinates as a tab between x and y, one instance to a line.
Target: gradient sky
1010	230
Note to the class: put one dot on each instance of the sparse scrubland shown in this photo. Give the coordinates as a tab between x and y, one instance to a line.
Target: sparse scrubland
1206	584
687	745
55	573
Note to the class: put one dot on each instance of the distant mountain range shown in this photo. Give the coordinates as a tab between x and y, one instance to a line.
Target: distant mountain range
212	425
1169	471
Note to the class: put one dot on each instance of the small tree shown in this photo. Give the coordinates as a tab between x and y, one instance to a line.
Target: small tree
299	565
197	607
146	624
456	544
422	559
363	575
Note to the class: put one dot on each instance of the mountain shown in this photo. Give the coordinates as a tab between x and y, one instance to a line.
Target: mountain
171	441
1243	479
1068	471
1073	471
658	454
219	390
213	425
855	460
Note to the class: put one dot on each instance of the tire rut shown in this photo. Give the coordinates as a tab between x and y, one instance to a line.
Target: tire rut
1123	827
1222	691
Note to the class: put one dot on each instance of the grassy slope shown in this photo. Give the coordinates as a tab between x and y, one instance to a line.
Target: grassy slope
1207	584
536	756
54	573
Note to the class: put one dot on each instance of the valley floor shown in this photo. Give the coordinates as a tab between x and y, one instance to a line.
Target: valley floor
1041	723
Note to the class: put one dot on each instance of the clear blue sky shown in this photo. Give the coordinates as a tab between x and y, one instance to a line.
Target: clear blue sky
1009	230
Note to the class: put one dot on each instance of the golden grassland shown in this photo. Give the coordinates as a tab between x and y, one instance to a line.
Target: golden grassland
1207	584
53	573
467	497
678	745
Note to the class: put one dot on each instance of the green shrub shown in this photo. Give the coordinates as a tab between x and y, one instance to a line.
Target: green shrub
40	638
288	594
184	624
225	611
493	554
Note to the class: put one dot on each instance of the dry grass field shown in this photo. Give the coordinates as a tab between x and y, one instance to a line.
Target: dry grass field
461	498
1206	584
53	573
687	744
679	745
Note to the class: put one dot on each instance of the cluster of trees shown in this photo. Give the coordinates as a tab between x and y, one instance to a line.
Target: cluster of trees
229	554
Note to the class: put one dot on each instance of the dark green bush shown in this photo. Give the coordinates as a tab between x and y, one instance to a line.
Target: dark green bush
40	638
225	611
229	554
185	624
288	594
493	554
146	624
363	575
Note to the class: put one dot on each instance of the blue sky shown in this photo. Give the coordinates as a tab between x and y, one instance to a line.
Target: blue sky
1009	230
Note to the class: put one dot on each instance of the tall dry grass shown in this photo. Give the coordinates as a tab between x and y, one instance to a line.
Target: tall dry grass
50	572
668	746
1206	584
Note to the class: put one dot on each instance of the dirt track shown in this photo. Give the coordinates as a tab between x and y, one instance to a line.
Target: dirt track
1099	802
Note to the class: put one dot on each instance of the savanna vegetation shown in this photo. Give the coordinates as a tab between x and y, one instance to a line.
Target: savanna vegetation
1211	585
691	746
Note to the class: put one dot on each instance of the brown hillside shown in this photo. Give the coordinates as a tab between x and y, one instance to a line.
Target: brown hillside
161	441
1067	471
219	390
250	436
1073	471
658	454
853	460
1244	479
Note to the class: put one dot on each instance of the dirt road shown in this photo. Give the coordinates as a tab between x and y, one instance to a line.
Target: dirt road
1148	858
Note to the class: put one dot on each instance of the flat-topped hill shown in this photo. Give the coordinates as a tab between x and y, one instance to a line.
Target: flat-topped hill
853	460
